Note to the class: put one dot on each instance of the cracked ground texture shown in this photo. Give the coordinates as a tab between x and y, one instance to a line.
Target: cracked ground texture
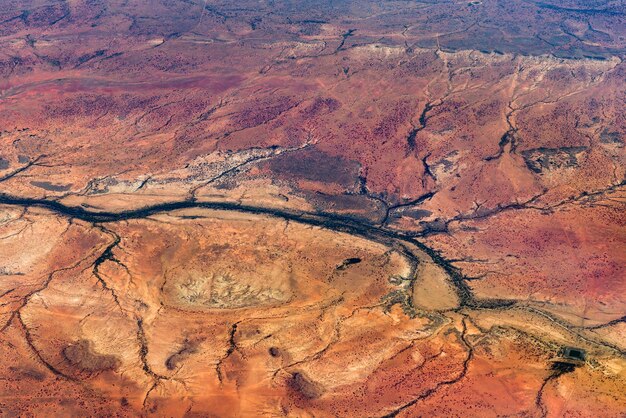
297	208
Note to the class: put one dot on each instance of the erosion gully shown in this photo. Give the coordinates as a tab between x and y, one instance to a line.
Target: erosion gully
328	221
344	224
333	222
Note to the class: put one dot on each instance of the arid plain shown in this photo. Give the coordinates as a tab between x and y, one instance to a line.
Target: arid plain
298	208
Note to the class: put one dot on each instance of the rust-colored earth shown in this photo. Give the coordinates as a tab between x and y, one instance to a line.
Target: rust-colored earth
296	208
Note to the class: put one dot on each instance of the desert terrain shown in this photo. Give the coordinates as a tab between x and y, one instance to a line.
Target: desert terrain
297	208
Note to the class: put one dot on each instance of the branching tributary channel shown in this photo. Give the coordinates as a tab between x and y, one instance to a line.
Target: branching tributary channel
324	220
389	238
